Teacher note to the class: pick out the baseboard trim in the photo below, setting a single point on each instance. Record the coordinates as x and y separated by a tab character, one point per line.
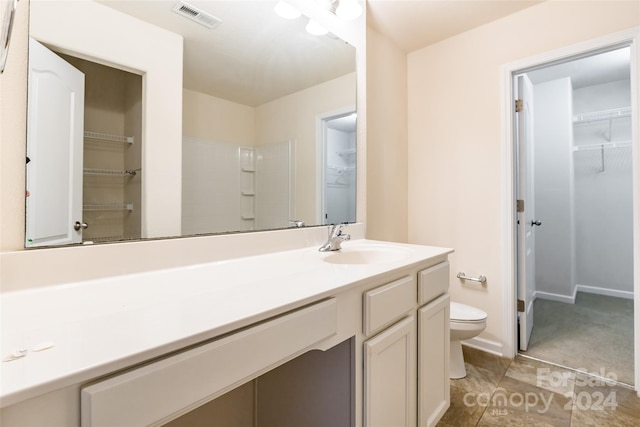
556	297
485	345
604	291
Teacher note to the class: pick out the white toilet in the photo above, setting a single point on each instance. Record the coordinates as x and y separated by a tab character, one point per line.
465	322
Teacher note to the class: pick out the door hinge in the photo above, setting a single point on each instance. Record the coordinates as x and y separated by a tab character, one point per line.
519	105
520	205
520	306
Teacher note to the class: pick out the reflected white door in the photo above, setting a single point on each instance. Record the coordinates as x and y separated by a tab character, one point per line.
54	149
526	224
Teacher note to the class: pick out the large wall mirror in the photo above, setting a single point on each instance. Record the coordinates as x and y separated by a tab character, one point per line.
264	121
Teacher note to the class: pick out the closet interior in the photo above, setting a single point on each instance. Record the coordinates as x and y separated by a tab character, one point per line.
112	172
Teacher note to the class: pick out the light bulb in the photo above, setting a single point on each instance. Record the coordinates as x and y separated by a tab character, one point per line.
316	29
286	11
348	10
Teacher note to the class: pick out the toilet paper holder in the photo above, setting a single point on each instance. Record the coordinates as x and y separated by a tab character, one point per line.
479	279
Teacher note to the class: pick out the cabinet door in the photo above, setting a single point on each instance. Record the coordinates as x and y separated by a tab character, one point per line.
433	361
390	376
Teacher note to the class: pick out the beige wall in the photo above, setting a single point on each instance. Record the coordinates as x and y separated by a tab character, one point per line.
293	118
13	122
214	119
455	152
386	139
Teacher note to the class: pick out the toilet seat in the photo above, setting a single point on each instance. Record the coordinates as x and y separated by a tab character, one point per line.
461	313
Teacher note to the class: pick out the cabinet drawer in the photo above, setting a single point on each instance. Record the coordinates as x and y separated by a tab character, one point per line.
433	282
153	394
388	303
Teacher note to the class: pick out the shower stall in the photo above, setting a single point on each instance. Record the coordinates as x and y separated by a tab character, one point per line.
230	187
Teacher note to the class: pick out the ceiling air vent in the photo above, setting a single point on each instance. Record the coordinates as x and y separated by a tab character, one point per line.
196	15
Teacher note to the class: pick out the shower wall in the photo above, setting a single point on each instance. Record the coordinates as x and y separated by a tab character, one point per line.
583	190
274	185
211	187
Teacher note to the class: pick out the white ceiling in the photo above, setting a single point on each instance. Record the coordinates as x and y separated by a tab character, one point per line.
253	56
592	70
344	124
414	24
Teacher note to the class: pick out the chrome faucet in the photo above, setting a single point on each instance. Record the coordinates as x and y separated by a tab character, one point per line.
335	239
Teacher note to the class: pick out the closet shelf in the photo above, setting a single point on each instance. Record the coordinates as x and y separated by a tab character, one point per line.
341	168
110	172
604	115
347	153
108	137
109	207
603	146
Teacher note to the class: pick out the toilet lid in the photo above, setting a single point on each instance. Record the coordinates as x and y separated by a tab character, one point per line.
462	312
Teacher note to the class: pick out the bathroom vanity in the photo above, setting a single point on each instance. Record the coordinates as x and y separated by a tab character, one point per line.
358	337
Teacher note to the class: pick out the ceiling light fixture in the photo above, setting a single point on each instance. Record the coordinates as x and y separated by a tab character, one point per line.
316	29
286	10
348	10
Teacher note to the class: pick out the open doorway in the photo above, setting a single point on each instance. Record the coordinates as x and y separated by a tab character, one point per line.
337	168
574	181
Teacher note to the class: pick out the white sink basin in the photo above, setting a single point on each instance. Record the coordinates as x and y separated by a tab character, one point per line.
377	254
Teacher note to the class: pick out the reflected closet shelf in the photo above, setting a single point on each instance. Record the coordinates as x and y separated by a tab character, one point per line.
106	137
109	207
109	172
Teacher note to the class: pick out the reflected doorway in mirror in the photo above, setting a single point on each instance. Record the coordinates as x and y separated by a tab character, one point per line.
337	166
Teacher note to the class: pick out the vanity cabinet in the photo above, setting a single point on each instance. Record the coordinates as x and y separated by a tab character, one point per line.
433	361
406	358
390	356
390	376
182	382
363	348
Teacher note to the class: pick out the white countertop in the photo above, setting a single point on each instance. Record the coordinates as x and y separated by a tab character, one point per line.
101	326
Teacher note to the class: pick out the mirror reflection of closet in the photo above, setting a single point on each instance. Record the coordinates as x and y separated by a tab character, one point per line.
112	175
340	167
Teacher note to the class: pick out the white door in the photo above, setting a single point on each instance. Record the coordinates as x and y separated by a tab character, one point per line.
526	219
390	376
433	361
54	149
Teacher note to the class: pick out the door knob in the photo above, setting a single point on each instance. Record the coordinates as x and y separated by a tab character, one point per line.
80	225
535	223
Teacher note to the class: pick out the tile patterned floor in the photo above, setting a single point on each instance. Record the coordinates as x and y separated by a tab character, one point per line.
526	392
